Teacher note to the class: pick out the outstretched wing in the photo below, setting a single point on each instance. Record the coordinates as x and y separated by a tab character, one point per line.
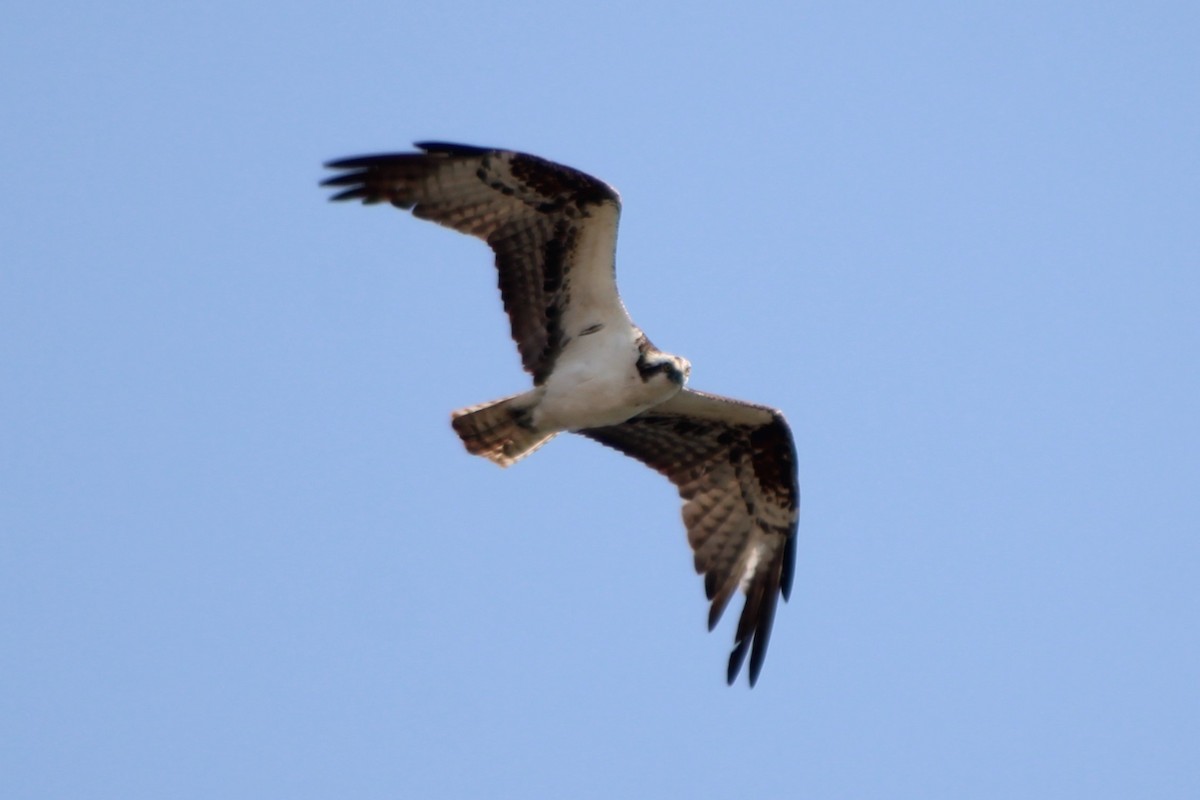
735	467
553	230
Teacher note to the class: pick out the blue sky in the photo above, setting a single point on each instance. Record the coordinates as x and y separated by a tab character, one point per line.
244	556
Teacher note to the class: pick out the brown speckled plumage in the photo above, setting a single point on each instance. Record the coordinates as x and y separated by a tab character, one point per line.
733	463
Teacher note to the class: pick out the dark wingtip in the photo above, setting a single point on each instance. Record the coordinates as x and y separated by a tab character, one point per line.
759	652
735	662
355	162
345	178
789	567
354	177
719	603
358	177
350	194
452	149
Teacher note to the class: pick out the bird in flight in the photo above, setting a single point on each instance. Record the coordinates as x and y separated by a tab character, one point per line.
553	230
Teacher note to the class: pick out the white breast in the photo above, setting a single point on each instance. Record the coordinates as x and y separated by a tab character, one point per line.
595	382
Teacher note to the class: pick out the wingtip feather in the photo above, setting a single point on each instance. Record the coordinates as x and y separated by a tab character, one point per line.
735	662
789	567
452	148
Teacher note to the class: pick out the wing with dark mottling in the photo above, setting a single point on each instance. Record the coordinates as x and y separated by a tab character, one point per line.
548	224
735	467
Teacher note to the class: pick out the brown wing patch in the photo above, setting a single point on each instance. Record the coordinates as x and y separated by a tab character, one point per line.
529	211
740	504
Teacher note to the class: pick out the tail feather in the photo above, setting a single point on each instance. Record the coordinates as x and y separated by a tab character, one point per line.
499	430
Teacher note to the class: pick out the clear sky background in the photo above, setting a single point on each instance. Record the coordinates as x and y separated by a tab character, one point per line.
243	554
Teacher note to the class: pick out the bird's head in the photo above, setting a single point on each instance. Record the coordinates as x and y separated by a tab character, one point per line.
676	369
680	370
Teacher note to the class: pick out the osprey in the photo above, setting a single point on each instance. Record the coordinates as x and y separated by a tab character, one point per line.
554	233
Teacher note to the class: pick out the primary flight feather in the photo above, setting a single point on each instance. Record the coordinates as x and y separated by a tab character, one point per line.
553	230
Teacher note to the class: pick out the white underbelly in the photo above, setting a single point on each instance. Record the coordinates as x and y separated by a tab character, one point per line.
596	383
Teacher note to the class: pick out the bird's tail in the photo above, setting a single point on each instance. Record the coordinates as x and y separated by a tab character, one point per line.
500	430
